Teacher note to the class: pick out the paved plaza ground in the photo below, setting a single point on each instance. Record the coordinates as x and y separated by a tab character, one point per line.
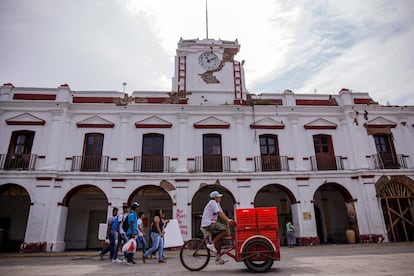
351	259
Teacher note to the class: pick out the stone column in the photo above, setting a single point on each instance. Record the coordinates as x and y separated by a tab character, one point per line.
123	141
65	149
57	228
402	146
241	156
55	138
353	121
182	142
293	118
303	214
346	135
182	210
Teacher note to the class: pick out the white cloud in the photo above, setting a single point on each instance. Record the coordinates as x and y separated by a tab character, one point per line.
297	45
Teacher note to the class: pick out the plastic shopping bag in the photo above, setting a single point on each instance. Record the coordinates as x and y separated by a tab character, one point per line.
130	246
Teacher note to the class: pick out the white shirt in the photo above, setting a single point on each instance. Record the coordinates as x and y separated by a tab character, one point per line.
139	231
120	222
210	213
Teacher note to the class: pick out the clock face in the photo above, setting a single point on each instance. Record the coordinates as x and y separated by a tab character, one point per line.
209	61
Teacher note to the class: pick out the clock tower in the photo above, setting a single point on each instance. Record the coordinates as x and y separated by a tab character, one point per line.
206	72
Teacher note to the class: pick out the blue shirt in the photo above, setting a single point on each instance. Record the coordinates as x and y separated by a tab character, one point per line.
132	217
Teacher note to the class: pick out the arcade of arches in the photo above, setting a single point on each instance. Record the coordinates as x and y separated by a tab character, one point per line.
85	206
88	207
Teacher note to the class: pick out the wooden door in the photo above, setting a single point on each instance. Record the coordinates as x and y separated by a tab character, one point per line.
212	157
386	152
324	152
152	153
269	153
92	152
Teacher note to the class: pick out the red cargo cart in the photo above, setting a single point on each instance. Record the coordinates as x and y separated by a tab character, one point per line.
254	241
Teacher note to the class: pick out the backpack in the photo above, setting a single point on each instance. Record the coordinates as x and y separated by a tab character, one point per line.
115	224
125	224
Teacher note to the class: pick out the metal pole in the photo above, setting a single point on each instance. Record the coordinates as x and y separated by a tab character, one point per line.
206	21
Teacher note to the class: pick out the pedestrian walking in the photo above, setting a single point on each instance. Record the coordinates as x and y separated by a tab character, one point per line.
112	234
141	234
157	234
132	231
290	229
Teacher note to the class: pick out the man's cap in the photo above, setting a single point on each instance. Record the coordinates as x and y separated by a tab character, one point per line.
215	194
134	205
125	206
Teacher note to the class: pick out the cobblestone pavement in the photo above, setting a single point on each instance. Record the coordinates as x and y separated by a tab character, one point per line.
356	259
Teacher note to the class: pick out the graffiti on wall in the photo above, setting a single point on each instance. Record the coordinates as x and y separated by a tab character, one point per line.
180	215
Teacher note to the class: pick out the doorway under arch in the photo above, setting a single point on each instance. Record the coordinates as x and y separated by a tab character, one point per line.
334	213
14	212
200	200
396	195
276	195
87	208
151	198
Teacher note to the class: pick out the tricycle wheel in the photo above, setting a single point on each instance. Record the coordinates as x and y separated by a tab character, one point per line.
258	255
194	254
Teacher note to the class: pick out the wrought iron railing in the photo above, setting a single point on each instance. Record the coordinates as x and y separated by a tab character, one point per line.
270	163
212	164
18	161
90	163
323	163
151	164
381	161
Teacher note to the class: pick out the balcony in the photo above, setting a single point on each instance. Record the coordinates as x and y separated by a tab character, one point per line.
212	164
381	161
151	164
90	163
18	161
270	163
325	163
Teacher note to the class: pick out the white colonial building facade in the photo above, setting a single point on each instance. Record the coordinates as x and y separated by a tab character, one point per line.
328	162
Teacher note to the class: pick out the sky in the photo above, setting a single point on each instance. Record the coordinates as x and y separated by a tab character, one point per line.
314	46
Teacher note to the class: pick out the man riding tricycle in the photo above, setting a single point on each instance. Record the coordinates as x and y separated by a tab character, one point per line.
254	240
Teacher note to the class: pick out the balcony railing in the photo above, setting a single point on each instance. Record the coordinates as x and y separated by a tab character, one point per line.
18	161
323	163
381	161
212	164
270	163
90	163
151	164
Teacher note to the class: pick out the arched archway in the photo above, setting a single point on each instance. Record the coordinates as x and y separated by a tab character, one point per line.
14	212
151	198
201	198
276	195
87	206
334	213
396	195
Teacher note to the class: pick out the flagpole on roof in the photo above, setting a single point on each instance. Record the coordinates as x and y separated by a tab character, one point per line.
206	21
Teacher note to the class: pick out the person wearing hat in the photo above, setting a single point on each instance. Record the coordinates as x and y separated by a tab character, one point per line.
212	211
132	232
